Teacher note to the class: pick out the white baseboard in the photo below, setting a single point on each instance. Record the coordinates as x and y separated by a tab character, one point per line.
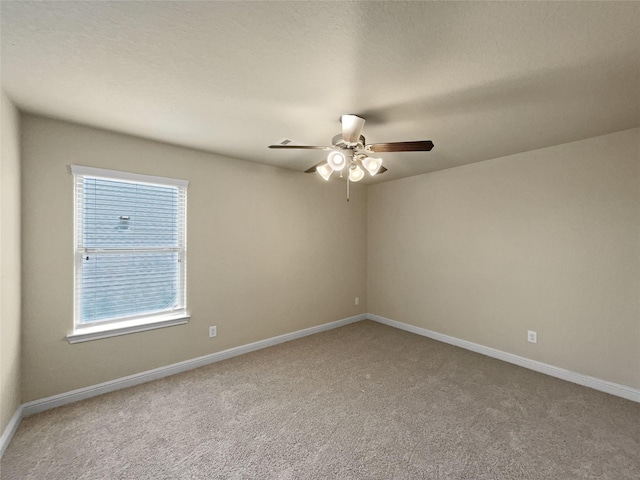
157	373
43	404
10	429
143	377
616	389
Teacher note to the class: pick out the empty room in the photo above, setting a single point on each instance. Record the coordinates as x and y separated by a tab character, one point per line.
318	240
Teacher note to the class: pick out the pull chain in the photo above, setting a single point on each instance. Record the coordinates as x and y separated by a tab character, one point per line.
347	189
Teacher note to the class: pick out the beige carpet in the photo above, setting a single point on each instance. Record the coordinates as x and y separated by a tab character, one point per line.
365	401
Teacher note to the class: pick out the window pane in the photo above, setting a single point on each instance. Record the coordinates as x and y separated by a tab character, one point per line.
124	285
120	214
130	246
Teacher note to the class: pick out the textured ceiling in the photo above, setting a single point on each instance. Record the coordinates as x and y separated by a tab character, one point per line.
482	80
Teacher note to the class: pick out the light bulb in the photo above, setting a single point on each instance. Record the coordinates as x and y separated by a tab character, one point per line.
325	171
372	164
336	160
356	174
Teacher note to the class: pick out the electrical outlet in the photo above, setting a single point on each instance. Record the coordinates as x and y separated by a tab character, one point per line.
213	331
357	300
532	336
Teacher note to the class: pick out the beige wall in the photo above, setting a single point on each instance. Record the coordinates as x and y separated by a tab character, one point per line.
547	240
9	262
270	251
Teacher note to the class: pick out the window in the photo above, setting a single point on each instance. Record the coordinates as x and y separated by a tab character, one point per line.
130	253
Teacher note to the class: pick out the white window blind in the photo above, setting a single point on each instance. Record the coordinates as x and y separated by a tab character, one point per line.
130	246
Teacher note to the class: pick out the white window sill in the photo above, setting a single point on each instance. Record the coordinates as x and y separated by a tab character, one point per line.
97	332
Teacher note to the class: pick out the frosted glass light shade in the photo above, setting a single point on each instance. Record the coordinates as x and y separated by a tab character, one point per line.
356	174
325	171
336	160
372	164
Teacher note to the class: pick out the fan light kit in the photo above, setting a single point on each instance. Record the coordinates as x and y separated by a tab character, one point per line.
350	151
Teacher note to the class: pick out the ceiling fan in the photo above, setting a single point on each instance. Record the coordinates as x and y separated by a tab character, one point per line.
350	151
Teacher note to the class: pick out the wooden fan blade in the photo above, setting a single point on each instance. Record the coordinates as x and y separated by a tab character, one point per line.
307	147
313	169
419	146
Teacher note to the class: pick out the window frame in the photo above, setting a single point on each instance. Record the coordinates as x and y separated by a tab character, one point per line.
83	332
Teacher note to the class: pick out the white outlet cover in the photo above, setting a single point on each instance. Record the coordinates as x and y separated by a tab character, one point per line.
532	336
213	331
